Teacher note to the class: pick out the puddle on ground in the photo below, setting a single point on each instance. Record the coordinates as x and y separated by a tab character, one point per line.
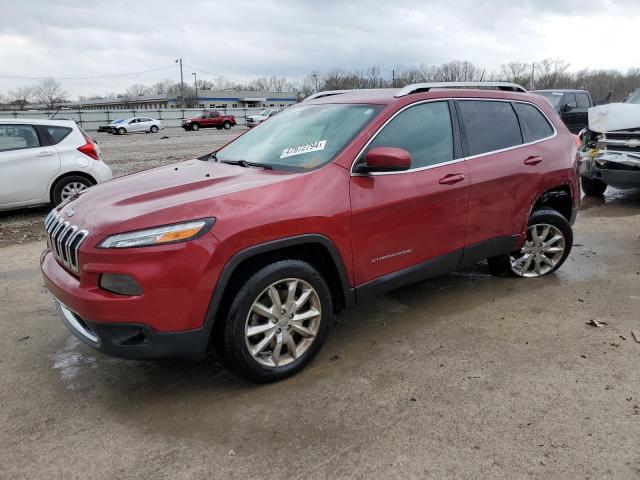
69	361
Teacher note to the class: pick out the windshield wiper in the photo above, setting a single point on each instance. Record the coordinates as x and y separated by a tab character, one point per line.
244	163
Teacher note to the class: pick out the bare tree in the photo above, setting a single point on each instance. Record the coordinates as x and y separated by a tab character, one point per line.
516	72
138	90
268	84
551	73
457	71
165	86
20	97
49	92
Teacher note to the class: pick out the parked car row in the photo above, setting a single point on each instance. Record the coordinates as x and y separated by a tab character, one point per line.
132	125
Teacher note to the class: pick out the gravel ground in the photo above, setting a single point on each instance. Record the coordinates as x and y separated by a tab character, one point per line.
464	376
124	154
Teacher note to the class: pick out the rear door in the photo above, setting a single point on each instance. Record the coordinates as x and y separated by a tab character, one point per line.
504	170
215	119
27	164
403	220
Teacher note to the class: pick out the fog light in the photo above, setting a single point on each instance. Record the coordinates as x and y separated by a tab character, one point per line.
120	284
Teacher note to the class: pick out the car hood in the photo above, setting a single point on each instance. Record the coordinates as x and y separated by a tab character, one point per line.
164	195
614	116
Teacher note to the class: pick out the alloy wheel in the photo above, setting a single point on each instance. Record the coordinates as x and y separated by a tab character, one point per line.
283	322
541	253
70	189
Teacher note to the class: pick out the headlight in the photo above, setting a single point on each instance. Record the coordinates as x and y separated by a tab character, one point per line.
179	232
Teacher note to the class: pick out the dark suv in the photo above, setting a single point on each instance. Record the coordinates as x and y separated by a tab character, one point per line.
571	105
255	247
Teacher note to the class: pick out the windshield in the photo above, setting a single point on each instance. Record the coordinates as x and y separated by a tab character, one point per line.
264	113
120	120
635	97
302	137
553	97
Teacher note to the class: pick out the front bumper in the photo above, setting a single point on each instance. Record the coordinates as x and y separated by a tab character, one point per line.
134	341
611	169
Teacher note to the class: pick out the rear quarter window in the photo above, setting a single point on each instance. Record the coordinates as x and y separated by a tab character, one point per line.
533	123
58	134
489	125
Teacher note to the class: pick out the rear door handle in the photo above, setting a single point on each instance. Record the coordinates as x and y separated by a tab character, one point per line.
46	154
451	179
534	160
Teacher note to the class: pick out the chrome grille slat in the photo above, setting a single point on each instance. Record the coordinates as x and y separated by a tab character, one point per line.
64	239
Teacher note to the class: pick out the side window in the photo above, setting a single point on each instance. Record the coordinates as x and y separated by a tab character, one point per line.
18	137
570	99
215	114
489	125
533	123
583	100
423	130
58	134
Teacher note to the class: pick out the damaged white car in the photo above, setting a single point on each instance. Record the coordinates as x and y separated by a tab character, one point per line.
610	148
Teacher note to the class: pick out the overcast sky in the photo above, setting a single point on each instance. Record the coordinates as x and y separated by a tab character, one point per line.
244	39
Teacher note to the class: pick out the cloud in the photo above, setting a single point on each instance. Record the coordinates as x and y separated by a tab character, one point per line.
246	39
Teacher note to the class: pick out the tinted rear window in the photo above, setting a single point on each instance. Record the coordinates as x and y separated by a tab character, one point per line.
533	123
489	125
58	134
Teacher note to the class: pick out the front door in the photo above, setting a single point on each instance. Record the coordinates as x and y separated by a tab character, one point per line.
411	224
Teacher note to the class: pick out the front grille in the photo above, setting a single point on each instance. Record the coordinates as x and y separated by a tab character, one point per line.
64	239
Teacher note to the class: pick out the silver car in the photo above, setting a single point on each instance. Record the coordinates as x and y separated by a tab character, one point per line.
137	125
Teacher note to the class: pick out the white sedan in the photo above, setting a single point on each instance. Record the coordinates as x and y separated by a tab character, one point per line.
46	161
137	125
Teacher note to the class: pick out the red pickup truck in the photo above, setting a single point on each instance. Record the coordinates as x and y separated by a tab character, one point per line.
209	118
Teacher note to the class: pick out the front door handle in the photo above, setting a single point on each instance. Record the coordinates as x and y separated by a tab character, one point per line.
533	160
451	179
46	154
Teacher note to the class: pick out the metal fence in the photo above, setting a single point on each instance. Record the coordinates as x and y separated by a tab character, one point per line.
91	119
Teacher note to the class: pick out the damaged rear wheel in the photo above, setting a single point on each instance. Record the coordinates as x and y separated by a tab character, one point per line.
547	246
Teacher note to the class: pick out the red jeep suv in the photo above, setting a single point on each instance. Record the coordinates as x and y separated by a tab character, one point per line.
253	248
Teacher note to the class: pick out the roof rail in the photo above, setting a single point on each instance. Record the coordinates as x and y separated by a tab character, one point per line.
425	87
326	93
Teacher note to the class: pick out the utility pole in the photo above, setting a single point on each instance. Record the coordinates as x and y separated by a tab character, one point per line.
533	72
195	81
181	80
393	77
315	75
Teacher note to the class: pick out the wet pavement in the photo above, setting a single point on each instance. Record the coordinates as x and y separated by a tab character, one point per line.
462	376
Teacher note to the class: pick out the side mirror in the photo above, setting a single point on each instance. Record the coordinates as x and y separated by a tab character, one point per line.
385	159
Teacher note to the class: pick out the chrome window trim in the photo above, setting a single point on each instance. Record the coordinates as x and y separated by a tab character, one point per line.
457	160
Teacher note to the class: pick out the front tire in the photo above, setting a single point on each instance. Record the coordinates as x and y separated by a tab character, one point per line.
122	131
67	187
592	187
277	321
195	127
547	246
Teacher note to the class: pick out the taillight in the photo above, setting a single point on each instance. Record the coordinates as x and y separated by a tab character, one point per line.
578	140
89	149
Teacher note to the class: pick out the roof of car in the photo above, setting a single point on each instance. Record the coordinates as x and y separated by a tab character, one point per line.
38	121
387	96
563	90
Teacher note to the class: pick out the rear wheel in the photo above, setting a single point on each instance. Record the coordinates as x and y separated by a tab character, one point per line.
153	129
195	127
67	187
226	125
277	321
592	187
547	246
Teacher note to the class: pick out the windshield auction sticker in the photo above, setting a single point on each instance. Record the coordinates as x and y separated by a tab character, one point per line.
300	149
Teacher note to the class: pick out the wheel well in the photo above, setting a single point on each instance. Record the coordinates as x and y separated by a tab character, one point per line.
558	198
70	174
